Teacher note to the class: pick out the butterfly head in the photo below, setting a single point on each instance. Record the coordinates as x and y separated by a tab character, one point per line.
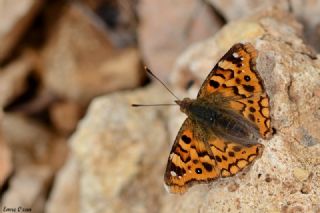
184	104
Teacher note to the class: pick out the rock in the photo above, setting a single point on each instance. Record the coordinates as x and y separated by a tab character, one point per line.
15	17
32	143
5	161
65	116
121	152
83	60
13	79
119	16
291	75
300	174
233	9
305	11
190	21
28	189
64	196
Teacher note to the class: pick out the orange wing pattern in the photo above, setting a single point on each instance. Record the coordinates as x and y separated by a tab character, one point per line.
236	82
191	161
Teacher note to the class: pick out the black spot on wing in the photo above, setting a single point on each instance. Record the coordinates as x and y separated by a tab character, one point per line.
207	166
186	139
248	88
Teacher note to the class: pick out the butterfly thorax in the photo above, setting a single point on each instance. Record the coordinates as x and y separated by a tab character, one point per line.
224	123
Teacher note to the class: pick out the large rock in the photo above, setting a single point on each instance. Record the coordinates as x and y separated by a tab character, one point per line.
306	11
182	22
286	178
15	17
83	59
122	151
5	161
65	194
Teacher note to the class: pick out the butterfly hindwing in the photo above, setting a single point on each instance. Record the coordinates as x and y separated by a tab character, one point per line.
231	158
190	160
236	80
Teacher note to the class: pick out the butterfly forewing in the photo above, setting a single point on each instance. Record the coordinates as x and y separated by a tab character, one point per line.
236	80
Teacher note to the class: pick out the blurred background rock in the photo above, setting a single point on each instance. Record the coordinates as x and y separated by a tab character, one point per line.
57	57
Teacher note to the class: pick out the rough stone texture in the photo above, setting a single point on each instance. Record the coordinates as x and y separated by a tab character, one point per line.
82	60
65	116
5	161
306	11
65	194
13	79
161	42
32	143
287	176
15	17
122	151
28	189
235	9
122	154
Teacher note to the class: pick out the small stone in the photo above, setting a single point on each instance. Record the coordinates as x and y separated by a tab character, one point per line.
300	174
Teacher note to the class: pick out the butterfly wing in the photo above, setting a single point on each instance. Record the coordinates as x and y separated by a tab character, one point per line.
231	157
189	161
235	80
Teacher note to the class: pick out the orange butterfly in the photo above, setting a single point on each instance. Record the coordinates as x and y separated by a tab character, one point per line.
220	136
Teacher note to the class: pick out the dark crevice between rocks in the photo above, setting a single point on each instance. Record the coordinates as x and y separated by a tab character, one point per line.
121	21
4	188
24	102
217	13
49	189
32	82
36	34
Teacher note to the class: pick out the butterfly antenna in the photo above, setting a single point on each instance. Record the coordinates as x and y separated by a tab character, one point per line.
153	75
143	105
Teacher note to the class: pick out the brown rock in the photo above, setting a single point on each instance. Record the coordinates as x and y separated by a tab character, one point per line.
32	143
235	9
65	193
5	161
163	39
305	11
82	59
28	189
65	116
122	153
15	17
13	79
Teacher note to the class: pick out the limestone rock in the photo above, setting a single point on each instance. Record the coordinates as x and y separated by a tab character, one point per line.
65	194
65	116
28	189
13	79
5	161
291	74
162	42
15	17
122	152
307	11
83	60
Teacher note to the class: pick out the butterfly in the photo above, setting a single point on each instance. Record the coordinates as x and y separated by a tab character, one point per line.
219	138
